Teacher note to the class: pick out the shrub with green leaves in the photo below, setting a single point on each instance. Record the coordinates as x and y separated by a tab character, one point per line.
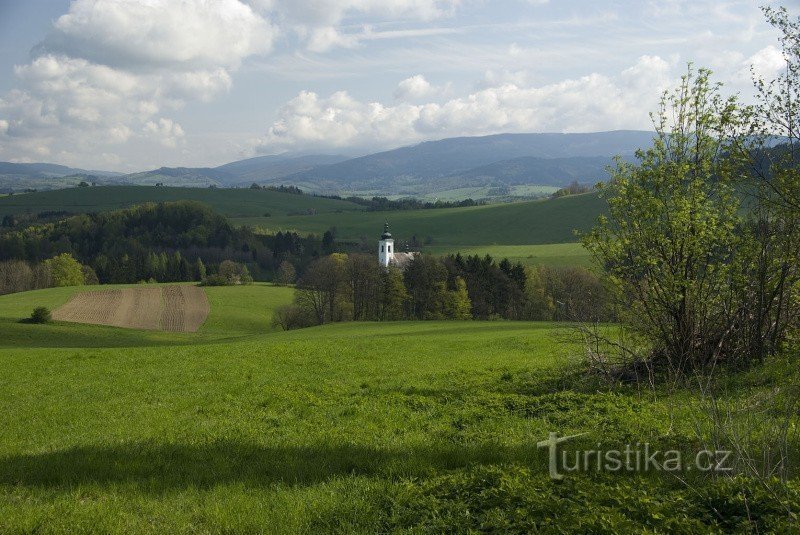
41	315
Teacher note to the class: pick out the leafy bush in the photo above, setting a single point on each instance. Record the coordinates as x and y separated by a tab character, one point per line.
215	280
65	270
230	274
41	315
292	316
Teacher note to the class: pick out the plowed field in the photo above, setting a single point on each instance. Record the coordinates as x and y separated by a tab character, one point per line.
169	308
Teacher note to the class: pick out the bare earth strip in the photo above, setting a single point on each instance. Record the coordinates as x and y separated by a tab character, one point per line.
196	308
169	308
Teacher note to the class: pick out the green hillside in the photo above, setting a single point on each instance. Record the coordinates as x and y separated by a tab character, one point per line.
231	202
531	232
522	223
359	427
550	254
236	311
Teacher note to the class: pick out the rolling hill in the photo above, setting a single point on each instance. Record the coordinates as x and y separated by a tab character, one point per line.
530	170
359	427
544	159
265	168
230	202
262	170
47	169
20	176
533	232
520	223
445	166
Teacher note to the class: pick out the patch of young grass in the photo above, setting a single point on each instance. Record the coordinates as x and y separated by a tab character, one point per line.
236	311
520	223
352	427
230	202
552	254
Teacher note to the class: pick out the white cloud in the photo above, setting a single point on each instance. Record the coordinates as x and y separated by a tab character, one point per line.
317	22
110	68
327	37
166	131
493	78
417	88
187	34
767	62
590	103
330	12
110	71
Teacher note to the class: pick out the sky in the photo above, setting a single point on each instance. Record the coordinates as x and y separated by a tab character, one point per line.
128	85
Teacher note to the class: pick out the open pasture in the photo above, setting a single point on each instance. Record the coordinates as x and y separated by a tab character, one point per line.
230	202
418	427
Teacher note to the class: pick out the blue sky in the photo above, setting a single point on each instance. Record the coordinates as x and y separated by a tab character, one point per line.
130	85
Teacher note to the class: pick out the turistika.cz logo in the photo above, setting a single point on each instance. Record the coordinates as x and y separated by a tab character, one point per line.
632	458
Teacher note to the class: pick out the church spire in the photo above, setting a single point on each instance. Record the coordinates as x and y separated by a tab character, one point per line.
385	247
386	234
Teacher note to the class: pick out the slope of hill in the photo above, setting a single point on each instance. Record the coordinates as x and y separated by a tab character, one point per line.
535	171
446	165
424	166
230	202
20	176
520	223
346	428
47	169
185	177
539	222
265	168
523	231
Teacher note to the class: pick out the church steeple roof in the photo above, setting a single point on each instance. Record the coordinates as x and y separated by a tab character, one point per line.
386	234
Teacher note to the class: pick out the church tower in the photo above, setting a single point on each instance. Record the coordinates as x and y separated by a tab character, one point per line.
385	247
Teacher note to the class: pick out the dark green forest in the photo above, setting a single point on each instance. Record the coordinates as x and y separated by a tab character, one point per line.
165	242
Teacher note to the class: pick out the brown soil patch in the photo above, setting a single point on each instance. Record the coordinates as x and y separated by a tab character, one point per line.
185	308
168	308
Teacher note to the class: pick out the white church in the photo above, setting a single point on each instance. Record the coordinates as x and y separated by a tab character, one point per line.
387	255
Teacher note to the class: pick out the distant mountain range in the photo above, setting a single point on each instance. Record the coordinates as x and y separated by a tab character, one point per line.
431	167
21	176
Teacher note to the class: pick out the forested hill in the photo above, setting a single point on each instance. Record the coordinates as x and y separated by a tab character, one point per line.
165	242
554	159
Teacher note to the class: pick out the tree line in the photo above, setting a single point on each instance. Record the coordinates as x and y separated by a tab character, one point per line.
61	270
164	242
354	287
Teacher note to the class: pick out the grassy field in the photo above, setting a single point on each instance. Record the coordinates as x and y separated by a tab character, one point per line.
521	223
554	254
235	312
532	232
376	427
483	192
231	202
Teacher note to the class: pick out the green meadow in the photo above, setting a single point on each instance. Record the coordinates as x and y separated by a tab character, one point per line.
552	254
412	427
230	202
521	223
484	192
531	232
